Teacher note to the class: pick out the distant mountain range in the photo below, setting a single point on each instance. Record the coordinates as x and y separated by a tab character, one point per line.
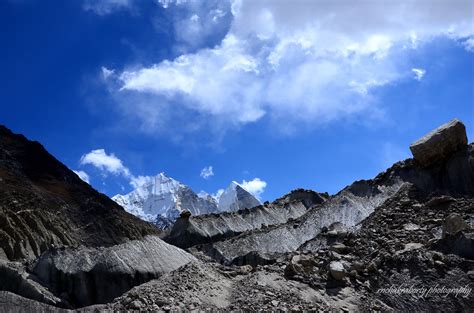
161	200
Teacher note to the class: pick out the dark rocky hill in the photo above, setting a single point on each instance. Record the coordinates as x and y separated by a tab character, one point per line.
43	204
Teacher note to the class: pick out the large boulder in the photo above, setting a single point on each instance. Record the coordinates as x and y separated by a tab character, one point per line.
439	143
453	224
337	270
86	276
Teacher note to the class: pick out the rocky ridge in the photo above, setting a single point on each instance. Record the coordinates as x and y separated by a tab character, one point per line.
192	230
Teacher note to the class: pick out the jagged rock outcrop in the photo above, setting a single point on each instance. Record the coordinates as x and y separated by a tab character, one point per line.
85	276
439	143
189	231
454	176
43	204
349	207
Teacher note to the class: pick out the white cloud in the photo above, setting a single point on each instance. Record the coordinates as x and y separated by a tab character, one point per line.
469	44
207	172
105	162
419	73
296	63
195	22
104	7
109	163
137	181
106	73
82	175
255	186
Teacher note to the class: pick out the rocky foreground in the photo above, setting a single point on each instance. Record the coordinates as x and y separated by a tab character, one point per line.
403	241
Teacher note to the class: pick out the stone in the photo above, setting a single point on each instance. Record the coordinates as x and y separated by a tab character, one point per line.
339	248
185	214
136	305
453	224
409	247
299	264
337	270
439	143
411	226
372	268
470	274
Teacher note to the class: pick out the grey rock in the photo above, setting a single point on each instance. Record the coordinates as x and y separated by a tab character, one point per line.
339	248
13	303
411	226
453	224
15	278
439	143
337	270
189	231
89	276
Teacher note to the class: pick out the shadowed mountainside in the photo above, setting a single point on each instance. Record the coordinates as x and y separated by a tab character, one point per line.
44	204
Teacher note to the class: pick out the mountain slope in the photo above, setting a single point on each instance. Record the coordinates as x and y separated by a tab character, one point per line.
44	204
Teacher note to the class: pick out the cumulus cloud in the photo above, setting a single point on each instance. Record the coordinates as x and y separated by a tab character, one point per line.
207	172
138	181
419	73
195	22
469	44
108	163
255	186
104	7
293	62
82	175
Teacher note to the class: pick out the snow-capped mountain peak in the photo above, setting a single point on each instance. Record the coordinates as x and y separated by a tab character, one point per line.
235	198
160	199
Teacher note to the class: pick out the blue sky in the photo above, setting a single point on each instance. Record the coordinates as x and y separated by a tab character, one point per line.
276	95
